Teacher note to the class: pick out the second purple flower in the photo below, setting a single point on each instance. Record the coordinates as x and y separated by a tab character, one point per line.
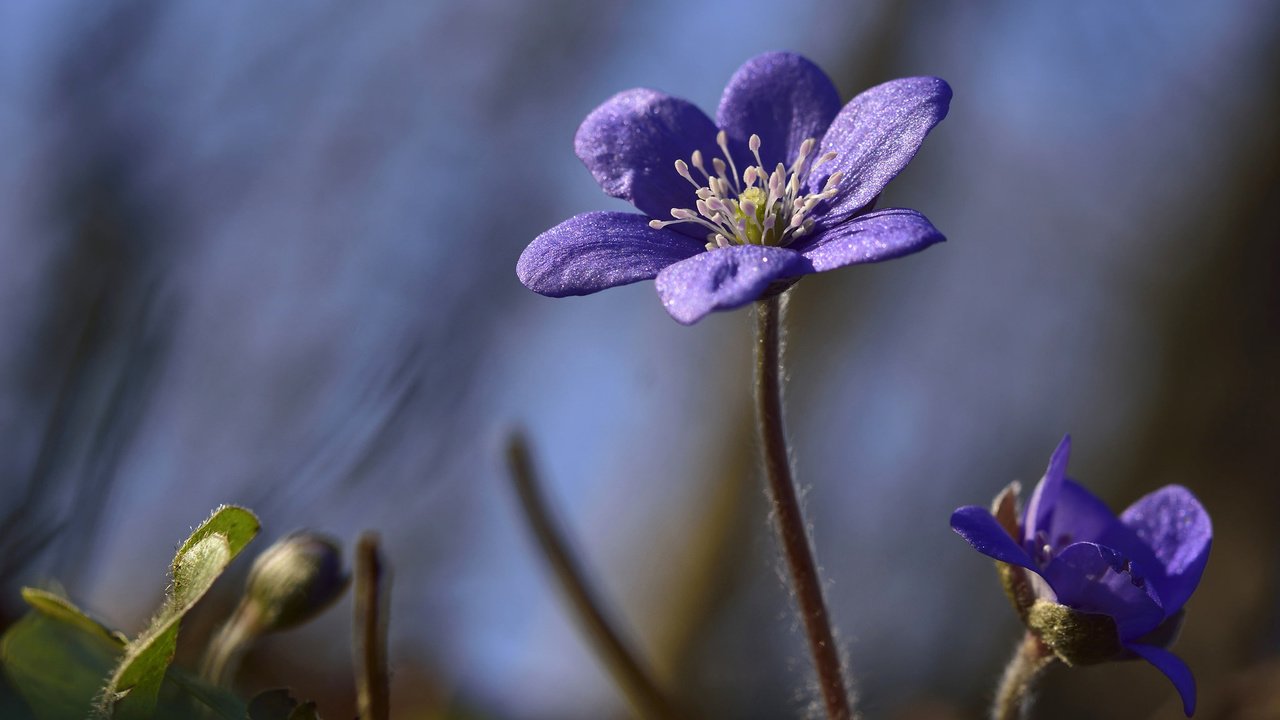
1093	586
781	185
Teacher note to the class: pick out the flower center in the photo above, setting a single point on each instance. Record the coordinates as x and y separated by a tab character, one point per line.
1043	549
761	207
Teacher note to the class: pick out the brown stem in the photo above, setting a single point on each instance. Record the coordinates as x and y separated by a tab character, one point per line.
788	514
640	689
372	685
1013	698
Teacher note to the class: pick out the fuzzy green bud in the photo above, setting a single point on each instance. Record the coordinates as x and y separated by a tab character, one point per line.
1076	637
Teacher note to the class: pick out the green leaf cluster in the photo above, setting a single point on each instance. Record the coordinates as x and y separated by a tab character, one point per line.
67	665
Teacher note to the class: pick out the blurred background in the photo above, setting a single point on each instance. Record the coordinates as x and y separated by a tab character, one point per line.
264	254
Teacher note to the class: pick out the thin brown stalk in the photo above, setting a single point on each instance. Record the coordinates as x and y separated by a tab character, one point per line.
788	515
643	693
373	699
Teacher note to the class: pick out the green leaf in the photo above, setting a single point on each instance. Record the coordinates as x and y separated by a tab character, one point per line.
53	605
236	524
135	685
57	664
221	701
57	659
279	704
195	569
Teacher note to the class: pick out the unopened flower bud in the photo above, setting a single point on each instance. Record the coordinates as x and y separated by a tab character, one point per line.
294	580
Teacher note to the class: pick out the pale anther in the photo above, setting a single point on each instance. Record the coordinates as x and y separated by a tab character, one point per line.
758	207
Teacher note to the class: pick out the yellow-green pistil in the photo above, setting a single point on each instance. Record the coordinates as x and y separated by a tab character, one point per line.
763	208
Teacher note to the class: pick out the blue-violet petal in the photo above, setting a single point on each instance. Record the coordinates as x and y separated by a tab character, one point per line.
980	529
782	97
1174	668
1173	523
631	142
597	250
1080	516
724	278
1045	496
875	136
1098	579
881	235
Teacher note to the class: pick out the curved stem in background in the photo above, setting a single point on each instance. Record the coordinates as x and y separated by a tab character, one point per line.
639	687
225	650
787	514
1013	698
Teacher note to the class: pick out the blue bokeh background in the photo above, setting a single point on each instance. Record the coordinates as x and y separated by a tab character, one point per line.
264	254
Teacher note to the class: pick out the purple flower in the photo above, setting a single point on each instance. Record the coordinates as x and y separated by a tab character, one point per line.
781	185
1117	585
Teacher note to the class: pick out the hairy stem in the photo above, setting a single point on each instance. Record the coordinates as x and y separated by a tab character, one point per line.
641	690
788	515
1013	697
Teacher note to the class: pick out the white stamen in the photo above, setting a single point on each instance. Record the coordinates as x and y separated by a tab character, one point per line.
828	157
697	162
758	207
722	139
806	147
754	144
682	168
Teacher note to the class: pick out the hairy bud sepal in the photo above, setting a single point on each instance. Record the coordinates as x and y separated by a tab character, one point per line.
1077	638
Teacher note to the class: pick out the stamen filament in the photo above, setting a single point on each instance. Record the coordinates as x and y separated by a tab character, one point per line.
722	139
757	207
